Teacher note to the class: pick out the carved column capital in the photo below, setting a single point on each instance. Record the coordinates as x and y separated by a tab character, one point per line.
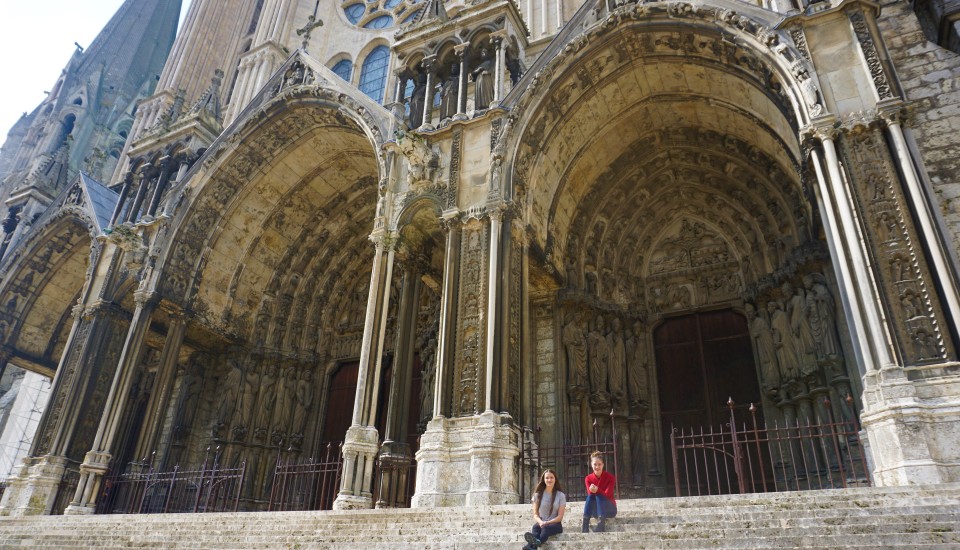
428	63
461	50
145	298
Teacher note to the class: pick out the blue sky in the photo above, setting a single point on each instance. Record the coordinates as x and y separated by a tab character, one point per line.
36	41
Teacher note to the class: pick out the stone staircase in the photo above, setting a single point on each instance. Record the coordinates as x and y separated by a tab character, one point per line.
900	517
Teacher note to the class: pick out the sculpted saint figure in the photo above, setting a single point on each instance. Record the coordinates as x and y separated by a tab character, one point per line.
637	373
247	397
449	92
599	354
821	311
617	366
304	400
575	347
286	392
417	100
268	397
783	341
800	323
483	81
762	336
230	388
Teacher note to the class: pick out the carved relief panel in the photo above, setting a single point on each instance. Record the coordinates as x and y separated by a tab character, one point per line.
468	373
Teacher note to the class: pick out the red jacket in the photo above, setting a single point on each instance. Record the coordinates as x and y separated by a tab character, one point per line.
605	484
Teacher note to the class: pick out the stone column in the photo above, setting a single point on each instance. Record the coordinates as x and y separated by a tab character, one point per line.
124	191
144	175
447	330
395	454
877	335
166	165
462	51
96	463
163	387
915	195
496	219
428	63
361	442
500	45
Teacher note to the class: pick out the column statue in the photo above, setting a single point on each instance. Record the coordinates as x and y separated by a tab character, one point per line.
599	354
417	100
448	93
638	374
783	341
821	310
763	343
575	348
617	366
800	324
268	397
304	395
483	81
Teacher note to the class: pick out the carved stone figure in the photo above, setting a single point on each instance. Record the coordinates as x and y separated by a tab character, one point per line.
304	401
762	336
800	323
783	341
821	312
599	357
638	363
286	391
483	81
449	92
575	347
230	387
417	100
617	366
247	397
268	397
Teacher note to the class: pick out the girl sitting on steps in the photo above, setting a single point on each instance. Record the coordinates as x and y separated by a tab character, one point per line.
600	502
549	503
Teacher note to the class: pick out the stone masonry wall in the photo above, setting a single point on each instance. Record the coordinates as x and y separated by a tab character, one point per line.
931	79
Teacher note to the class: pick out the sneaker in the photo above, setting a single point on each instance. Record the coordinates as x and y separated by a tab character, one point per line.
531	539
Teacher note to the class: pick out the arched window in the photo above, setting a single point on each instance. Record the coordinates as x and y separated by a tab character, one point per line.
344	69
373	76
354	12
381	22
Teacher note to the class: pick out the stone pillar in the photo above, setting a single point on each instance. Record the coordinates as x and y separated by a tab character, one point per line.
361	442
428	63
462	51
144	175
493	286
395	454
96	463
447	330
163	387
124	191
500	45
876	333
166	165
916	197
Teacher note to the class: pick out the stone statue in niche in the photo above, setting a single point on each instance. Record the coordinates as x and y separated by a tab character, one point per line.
268	397
617	365
638	373
762	336
251	382
575	348
417	100
449	92
783	341
304	401
599	353
821	311
286	394
800	323
483	81
230	388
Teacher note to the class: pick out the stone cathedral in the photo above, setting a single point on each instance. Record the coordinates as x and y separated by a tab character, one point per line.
436	233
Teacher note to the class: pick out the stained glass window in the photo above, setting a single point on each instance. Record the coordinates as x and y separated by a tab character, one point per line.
344	69
373	75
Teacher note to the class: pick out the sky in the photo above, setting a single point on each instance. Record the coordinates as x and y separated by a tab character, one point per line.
36	41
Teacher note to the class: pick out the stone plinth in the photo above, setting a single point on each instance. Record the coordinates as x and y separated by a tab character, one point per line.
33	489
468	461
359	454
913	423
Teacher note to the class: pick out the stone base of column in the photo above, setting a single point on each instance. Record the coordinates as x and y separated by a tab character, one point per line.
912	420
396	462
32	491
468	461
359	454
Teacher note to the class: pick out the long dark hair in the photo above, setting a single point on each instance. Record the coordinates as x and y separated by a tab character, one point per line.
542	488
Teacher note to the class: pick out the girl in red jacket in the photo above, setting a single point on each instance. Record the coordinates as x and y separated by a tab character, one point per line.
600	502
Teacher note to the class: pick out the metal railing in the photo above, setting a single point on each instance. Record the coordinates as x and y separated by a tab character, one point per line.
570	460
307	484
798	455
144	490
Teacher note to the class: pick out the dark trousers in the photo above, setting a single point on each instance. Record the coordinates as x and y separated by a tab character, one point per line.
599	506
543	533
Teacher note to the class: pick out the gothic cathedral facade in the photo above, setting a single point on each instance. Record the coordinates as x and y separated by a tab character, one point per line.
436	234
